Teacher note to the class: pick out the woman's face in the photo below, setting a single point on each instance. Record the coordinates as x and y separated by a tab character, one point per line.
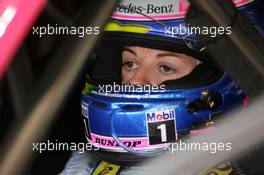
145	66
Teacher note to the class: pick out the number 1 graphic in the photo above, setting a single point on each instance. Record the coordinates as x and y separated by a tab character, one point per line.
162	128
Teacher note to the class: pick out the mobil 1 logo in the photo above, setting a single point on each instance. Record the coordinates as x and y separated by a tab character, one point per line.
161	126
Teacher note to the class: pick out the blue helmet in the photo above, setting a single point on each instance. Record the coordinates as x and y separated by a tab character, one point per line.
129	122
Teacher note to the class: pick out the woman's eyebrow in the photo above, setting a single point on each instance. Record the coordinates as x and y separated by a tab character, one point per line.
129	50
160	55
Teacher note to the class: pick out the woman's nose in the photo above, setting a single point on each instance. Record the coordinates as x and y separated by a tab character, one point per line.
141	77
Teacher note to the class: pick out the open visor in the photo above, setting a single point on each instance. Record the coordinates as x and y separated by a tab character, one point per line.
107	64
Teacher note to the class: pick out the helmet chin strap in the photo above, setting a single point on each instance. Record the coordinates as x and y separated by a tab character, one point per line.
150	153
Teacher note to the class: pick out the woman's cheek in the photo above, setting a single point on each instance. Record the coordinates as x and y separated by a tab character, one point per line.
161	77
126	75
172	76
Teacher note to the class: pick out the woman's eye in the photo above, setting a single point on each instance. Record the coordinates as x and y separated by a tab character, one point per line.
130	65
166	69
